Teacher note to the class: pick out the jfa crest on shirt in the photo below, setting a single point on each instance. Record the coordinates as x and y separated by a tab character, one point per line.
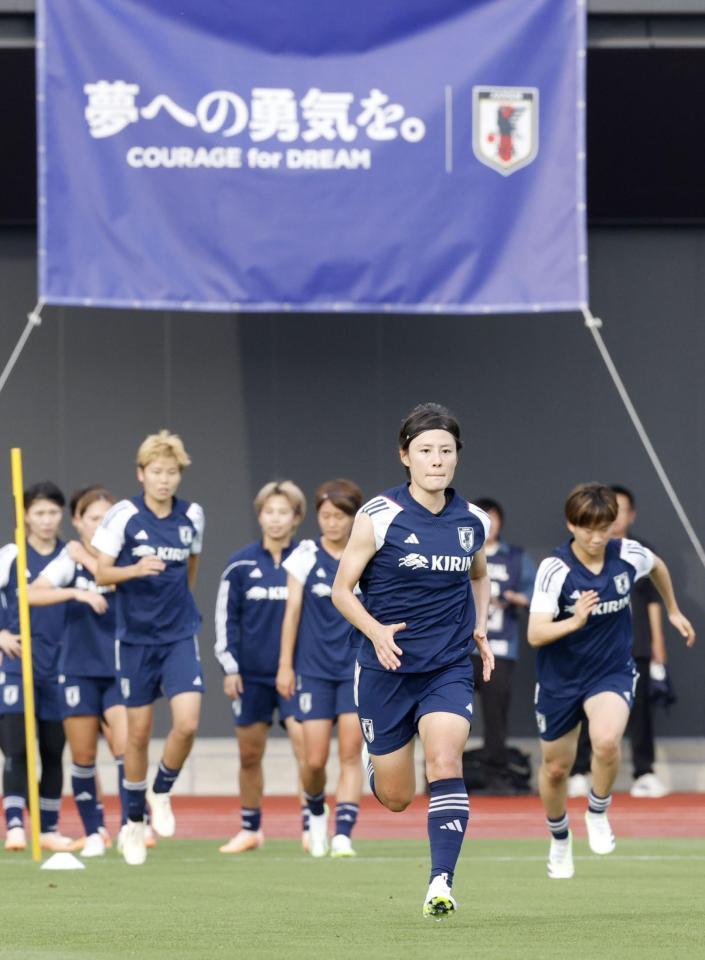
420	576
604	644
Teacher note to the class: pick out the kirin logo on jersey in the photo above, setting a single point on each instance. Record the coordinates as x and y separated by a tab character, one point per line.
256	593
414	560
368	729
621	582
466	535
144	550
186	535
505	127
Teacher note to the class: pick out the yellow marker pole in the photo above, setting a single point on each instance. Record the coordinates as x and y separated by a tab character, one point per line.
26	638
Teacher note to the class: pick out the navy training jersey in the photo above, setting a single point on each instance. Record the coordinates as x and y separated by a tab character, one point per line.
160	609
249	613
604	645
322	647
420	576
46	623
88	639
509	568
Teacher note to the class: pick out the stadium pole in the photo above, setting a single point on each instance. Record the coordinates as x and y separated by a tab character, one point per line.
26	639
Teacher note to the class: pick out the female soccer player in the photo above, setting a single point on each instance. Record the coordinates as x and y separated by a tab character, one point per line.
44	504
149	547
417	551
248	622
90	689
317	663
581	623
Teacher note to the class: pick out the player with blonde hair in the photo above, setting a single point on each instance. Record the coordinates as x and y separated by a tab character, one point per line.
149	548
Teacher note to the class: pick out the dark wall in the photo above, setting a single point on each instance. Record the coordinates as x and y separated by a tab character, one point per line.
315	397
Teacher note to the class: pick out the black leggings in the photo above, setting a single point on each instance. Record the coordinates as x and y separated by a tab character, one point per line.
51	748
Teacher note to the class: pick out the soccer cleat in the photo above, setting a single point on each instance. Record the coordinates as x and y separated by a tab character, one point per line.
16	839
341	846
318	834
305	840
578	785
107	839
162	818
133	846
439	904
56	843
560	858
150	841
599	831
94	846
649	786
243	841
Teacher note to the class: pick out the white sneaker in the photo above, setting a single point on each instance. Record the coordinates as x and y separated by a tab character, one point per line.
649	785
94	846
578	785
341	846
133	849
318	835
600	836
163	820
16	839
560	858
439	904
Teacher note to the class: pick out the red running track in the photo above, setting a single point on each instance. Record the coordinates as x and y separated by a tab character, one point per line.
678	815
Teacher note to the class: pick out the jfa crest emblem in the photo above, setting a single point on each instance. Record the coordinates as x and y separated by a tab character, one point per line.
125	687
10	695
305	702
466	535
621	582
505	127
186	535
368	730
73	696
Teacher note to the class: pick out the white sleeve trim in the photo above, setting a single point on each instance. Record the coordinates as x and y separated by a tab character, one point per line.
549	583
639	556
381	512
109	538
482	517
61	571
8	555
198	519
301	561
223	655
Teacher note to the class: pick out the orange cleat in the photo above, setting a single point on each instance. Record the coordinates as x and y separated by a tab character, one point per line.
243	841
16	839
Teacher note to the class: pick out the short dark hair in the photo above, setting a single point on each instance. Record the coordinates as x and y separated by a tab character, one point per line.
487	504
624	492
428	416
343	494
46	490
591	505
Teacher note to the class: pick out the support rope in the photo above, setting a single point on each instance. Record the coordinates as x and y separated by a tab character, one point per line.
34	319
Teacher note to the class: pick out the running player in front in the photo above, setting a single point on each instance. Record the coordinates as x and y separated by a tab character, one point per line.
149	548
580	622
418	553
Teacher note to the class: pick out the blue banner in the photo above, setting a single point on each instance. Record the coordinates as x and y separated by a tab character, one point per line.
270	155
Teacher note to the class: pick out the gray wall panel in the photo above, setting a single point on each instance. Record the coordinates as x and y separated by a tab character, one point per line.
315	397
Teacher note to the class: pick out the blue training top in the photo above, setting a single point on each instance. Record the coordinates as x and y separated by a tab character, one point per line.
159	609
322	648
419	575
88	639
249	613
604	645
46	623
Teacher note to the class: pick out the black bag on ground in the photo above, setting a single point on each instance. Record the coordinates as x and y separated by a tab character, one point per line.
482	777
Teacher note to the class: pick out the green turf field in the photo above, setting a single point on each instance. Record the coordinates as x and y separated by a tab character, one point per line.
645	901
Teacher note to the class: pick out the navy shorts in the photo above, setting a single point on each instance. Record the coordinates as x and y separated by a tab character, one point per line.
258	703
317	699
47	699
556	716
390	704
88	696
149	671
